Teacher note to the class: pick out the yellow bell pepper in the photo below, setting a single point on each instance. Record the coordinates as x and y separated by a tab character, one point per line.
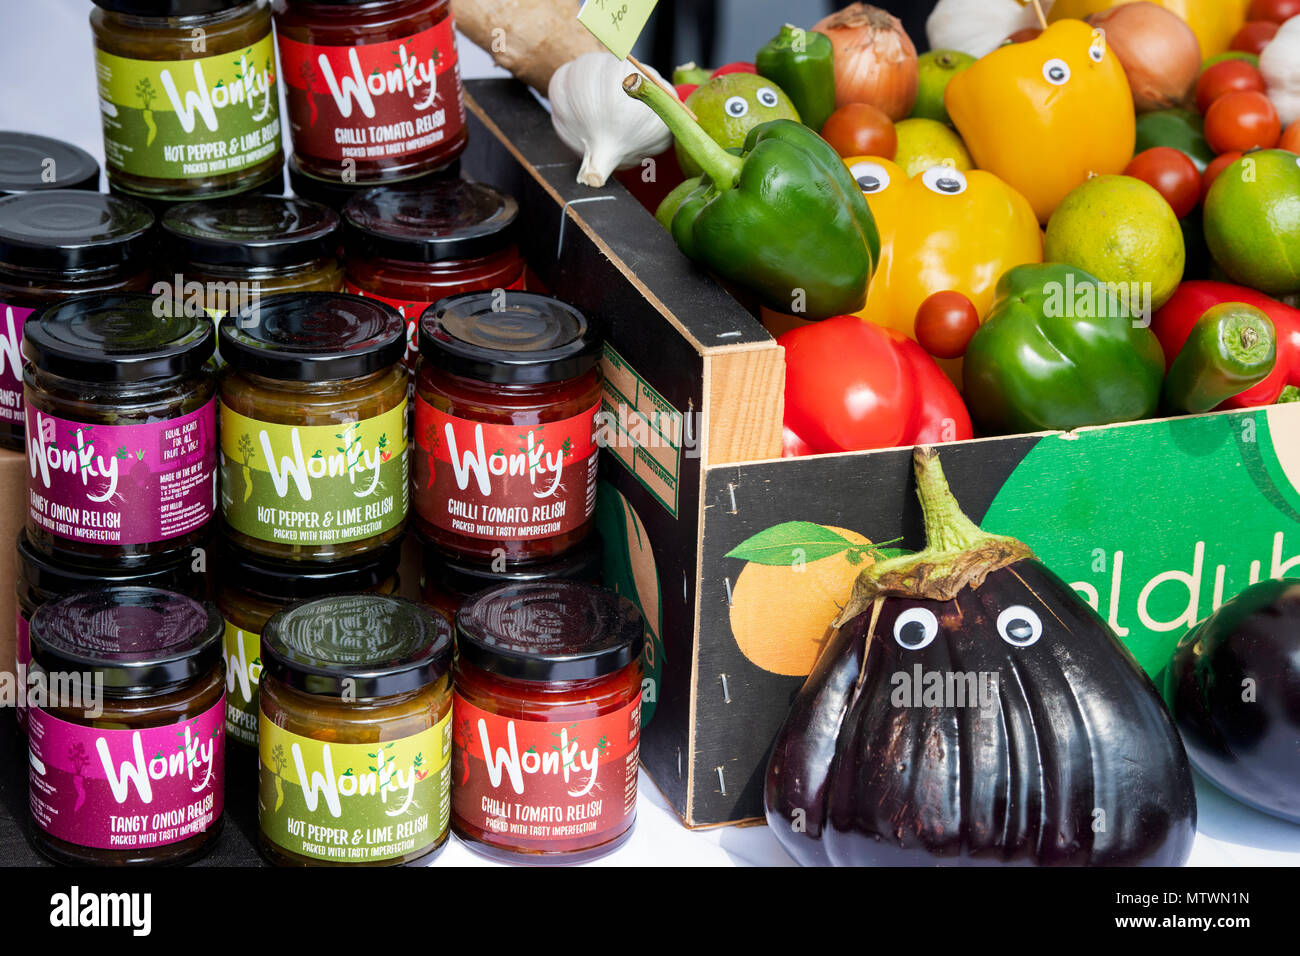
943	229
1045	114
1213	21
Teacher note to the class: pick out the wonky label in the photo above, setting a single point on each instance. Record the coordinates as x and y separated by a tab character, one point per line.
122	484
190	119
126	789
504	482
243	653
355	803
11	363
314	484
533	781
374	101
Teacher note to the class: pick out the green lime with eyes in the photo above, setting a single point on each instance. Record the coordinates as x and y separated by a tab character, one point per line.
729	106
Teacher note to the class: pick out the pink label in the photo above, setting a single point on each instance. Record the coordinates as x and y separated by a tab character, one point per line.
23	657
11	363
122	484
126	789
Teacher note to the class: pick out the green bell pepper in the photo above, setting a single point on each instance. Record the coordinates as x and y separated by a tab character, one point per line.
1180	129
802	63
1059	350
1231	348
785	219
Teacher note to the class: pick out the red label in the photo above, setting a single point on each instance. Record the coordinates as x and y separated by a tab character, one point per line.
373	101
504	482
535	782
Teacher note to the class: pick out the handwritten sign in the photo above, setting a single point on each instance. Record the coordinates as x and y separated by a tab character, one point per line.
616	23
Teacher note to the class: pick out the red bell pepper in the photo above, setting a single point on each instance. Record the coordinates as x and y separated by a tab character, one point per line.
851	385
1173	323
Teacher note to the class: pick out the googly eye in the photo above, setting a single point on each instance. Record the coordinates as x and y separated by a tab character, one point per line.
1019	626
1056	72
736	106
872	177
766	96
1097	51
944	180
915	628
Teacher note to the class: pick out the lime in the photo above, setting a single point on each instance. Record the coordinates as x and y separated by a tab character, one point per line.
1252	221
1122	231
923	143
934	70
729	106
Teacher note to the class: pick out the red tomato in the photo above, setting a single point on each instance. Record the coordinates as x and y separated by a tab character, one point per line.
860	129
1278	11
946	321
737	67
1226	77
1212	171
1171	173
1241	121
1254	36
1024	35
1291	138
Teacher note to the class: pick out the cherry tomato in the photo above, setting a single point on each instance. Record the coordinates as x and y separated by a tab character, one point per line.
1278	11
1241	121
860	129
1291	138
1024	35
1218	165
1226	77
945	323
1171	173
1254	36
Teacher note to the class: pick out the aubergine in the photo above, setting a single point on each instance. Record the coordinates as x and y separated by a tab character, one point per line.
972	709
1233	686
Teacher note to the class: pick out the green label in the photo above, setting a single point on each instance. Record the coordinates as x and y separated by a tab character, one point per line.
317	484
190	119
243	651
355	803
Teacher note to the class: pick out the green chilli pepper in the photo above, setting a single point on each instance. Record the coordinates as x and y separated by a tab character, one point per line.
1231	348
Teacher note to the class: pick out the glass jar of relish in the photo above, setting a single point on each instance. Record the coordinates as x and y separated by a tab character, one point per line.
355	734
188	97
373	87
507	393
314	427
413	247
137	775
33	163
548	687
121	428
56	244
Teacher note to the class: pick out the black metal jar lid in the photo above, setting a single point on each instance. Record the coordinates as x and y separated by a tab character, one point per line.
314	337
509	338
27	160
581	563
361	646
141	639
549	631
251	231
441	220
63	230
168	8
116	338
290	581
48	574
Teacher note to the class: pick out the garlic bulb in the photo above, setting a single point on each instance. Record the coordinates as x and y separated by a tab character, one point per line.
977	27
594	117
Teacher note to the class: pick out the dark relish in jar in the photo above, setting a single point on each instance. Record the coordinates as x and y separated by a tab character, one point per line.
314	427
53	245
32	163
251	588
547	687
373	88
354	740
507	393
133	772
121	428
414	247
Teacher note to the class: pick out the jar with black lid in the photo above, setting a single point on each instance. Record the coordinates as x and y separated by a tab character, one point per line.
55	244
336	195
314	427
121	428
188	96
30	162
354	741
132	772
508	389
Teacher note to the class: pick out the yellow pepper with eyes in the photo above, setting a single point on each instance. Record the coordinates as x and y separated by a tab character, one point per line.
1213	21
1046	114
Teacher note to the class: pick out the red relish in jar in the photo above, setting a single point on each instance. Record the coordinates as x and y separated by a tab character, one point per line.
507	393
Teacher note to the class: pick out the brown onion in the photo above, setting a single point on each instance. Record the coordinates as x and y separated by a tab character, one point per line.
875	61
1158	50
